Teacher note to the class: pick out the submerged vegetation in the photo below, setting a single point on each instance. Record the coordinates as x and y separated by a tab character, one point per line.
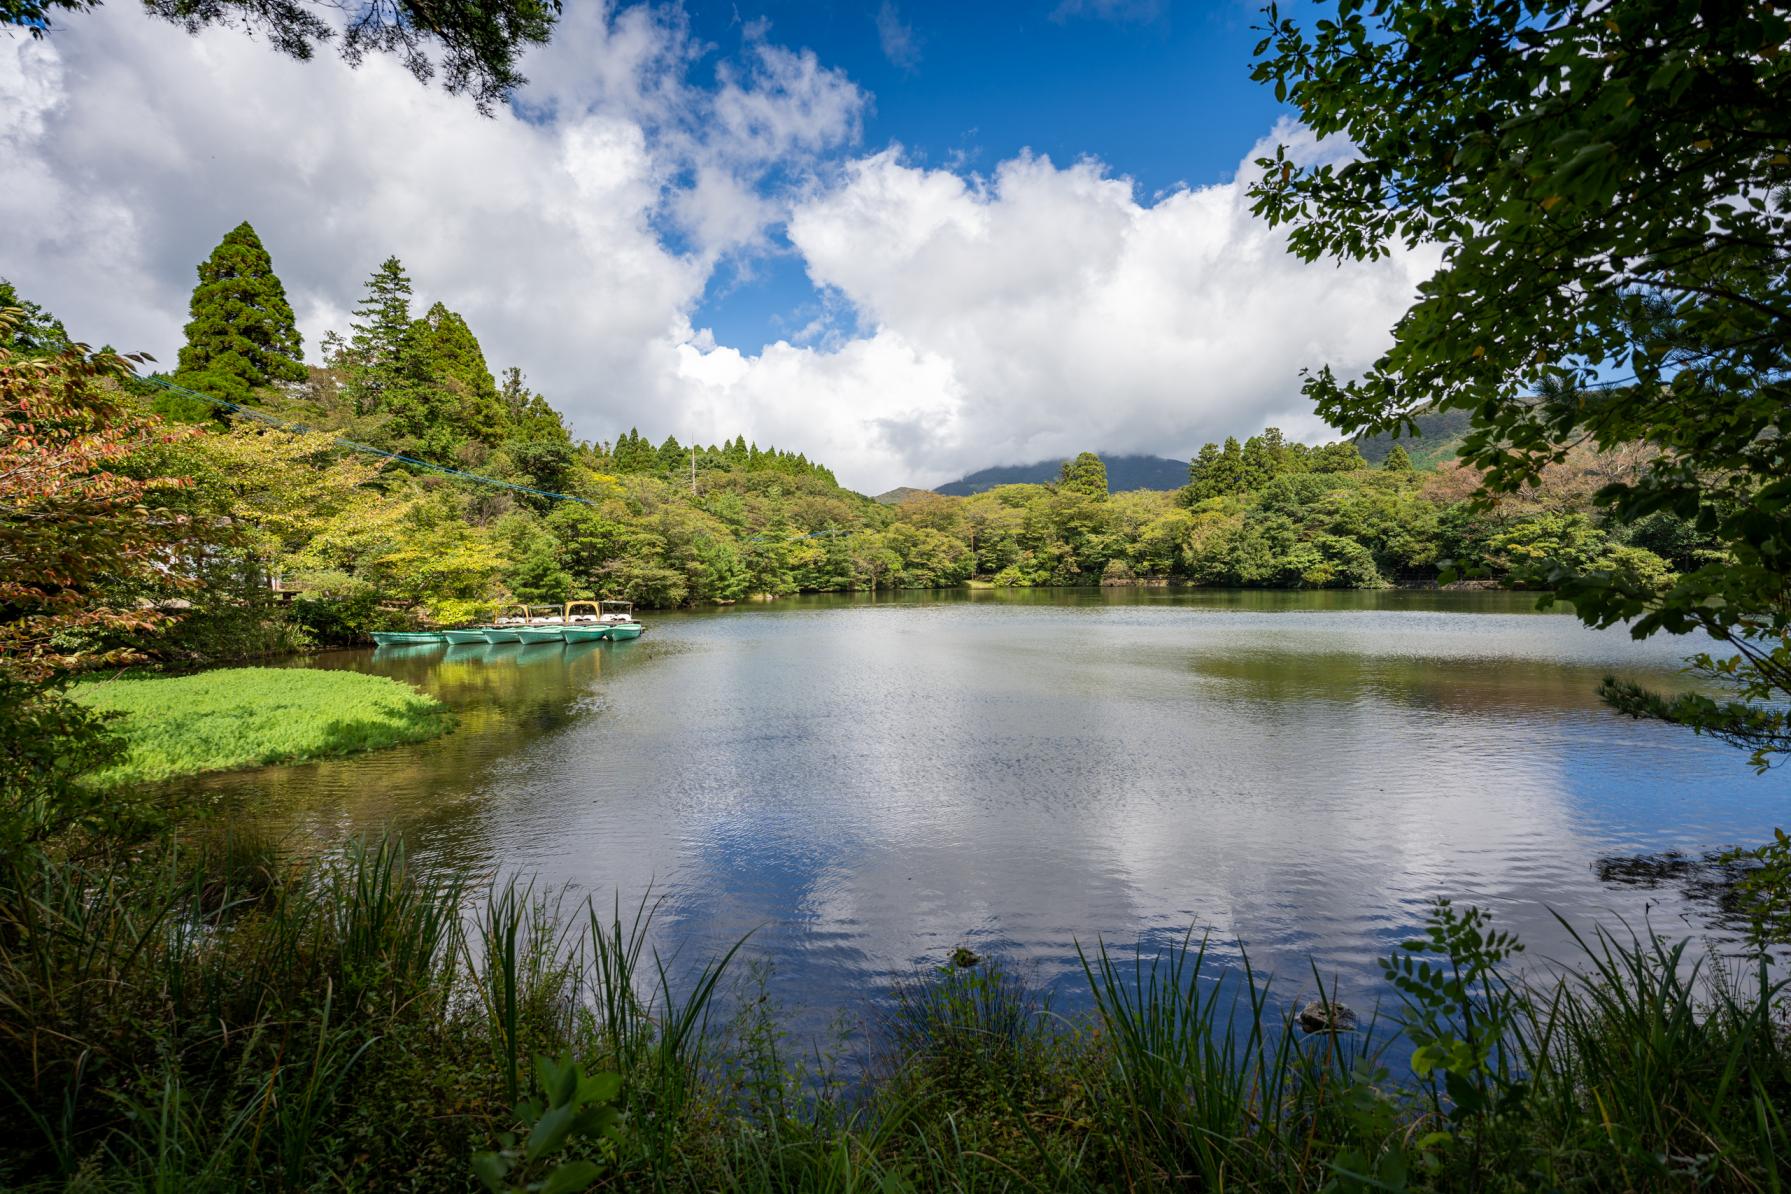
230	718
223	1017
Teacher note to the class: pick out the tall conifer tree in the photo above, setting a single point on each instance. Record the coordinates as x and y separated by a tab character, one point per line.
1226	475
242	336
1202	481
528	414
450	389
379	338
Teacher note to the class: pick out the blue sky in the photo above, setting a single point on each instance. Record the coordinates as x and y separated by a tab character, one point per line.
910	240
1159	92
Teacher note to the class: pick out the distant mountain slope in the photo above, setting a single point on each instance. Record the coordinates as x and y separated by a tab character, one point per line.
1439	435
900	494
1123	473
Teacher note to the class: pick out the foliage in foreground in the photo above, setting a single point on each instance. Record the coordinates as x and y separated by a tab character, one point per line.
1610	189
219	1017
476	47
232	718
80	540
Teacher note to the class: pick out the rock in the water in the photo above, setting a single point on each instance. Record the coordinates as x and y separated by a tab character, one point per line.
964	957
1320	1016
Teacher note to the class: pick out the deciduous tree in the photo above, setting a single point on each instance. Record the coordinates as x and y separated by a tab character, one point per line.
1608	187
74	529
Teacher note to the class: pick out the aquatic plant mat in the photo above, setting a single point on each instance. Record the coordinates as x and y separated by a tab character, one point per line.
233	718
215	1015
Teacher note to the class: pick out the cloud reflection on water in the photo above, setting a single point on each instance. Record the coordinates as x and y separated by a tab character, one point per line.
864	786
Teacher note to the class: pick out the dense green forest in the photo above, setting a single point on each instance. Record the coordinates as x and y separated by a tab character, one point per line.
358	541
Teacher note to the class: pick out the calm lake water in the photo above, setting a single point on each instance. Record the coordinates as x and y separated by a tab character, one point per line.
864	784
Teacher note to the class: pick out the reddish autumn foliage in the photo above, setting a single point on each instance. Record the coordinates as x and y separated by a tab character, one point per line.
72	528
78	535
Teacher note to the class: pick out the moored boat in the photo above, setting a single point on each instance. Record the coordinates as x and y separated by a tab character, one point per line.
576	622
618	616
406	638
503	627
544	625
582	622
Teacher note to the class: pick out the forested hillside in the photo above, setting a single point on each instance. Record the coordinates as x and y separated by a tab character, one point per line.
1439	435
1123	472
307	537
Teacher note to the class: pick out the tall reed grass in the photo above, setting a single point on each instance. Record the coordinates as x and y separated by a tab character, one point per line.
221	1017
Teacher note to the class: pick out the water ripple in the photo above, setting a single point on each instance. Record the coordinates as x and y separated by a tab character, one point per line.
863	787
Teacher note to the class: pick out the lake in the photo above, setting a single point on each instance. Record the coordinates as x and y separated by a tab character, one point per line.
863	784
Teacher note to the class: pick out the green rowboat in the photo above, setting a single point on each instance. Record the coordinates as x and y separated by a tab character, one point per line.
406	638
540	634
584	632
464	636
501	634
625	630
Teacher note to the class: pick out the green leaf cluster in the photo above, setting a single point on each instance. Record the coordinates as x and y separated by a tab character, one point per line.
576	1109
1610	192
475	48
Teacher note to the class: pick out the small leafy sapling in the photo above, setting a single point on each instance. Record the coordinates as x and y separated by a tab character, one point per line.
578	1108
1460	1011
1763	893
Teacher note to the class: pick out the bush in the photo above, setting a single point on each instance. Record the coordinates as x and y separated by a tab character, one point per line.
1118	572
1637	566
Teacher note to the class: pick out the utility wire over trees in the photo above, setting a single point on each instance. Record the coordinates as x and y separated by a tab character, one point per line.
1609	186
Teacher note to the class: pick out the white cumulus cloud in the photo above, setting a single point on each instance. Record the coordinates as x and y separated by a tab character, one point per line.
1034	312
1047	309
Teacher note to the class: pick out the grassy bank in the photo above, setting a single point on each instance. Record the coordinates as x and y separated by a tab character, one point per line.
247	717
217	1018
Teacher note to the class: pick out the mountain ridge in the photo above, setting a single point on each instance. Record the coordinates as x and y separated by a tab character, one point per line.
1123	472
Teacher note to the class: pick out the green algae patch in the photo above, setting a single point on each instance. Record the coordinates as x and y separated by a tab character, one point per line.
232	718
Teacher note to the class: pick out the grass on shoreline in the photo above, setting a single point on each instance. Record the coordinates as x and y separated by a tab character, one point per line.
218	1017
233	718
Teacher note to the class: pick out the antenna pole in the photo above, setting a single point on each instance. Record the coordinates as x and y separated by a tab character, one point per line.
693	469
